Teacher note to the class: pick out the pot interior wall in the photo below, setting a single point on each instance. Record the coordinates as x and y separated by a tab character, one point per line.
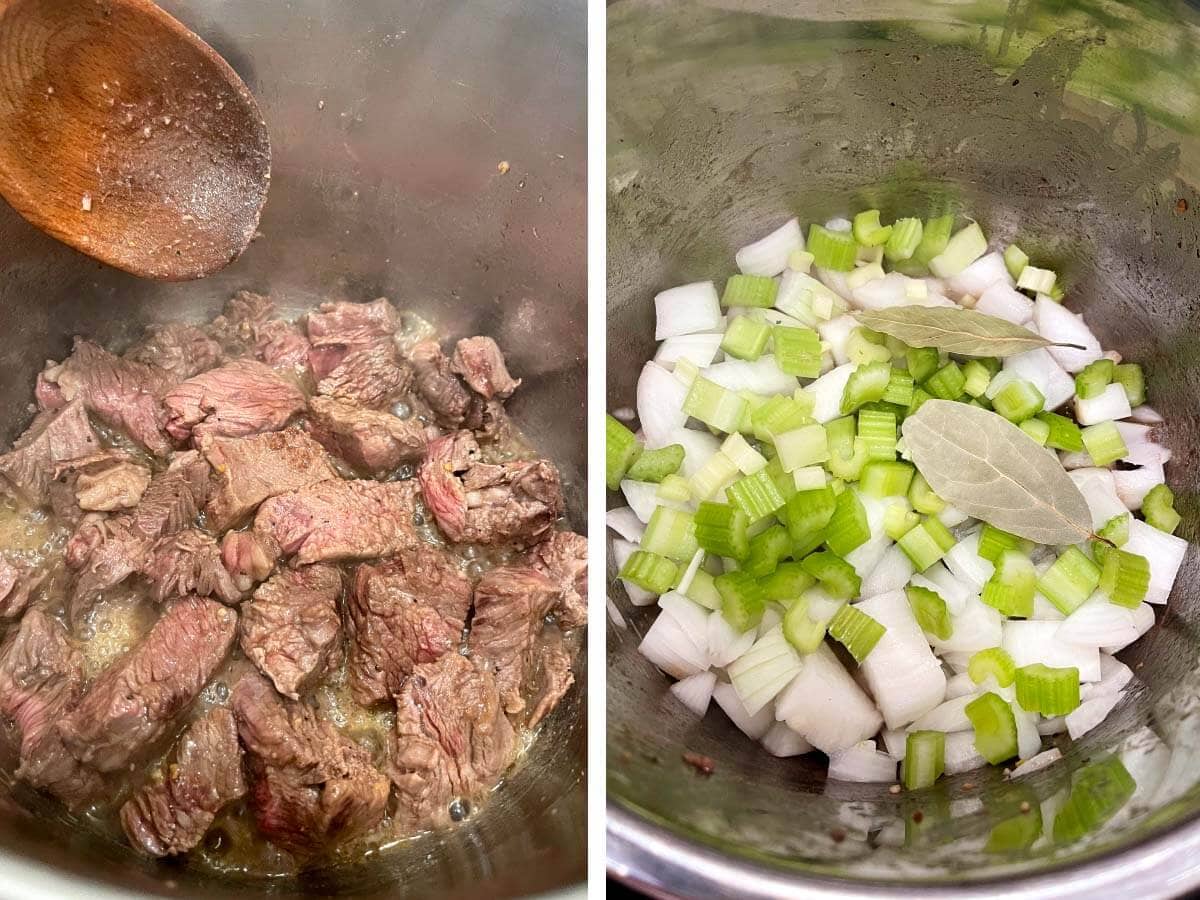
722	124
388	122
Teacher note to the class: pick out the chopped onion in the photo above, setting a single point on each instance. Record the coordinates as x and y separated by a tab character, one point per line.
687	309
642	497
1143	621
668	645
903	674
690	615
1098	623
1029	742
952	516
1163	551
700	349
976	626
827	391
1040	368
1057	323
945	584
1091	713
782	741
761	376
836	333
949	716
1111	403
754	727
835	281
1043	609
865	557
889	574
1114	676
1005	302
1142	449
764	670
882	293
1099	489
960	684
1038	642
958	662
980	275
695	691
1052	726
725	643
769	255
825	705
862	763
968	566
1035	763
1146	415
698	448
895	742
1133	484
961	755
624	521
638	596
660	397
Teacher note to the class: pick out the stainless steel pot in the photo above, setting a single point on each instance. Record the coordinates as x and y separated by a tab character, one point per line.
388	121
1070	126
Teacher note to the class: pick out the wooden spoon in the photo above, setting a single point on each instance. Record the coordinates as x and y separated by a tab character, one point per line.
127	137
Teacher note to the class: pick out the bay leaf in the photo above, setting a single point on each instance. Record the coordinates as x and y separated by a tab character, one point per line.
992	470
954	329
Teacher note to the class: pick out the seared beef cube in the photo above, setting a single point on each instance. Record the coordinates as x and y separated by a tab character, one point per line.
374	378
338	520
279	343
452	739
174	497
188	563
247	558
134	701
374	443
249	470
107	481
239	398
479	503
438	386
563	557
183	350
41	678
552	678
339	329
48	394
248	325
53	439
122	393
291	628
172	812
480	362
511	603
400	616
17	586
310	787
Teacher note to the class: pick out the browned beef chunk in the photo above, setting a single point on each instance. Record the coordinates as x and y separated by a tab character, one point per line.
373	378
552	678
240	398
438	386
107	481
249	470
339	329
48	394
310	787
172	812
480	362
53	439
279	343
41	678
18	583
188	563
248	326
511	603
479	503
562	556
337	520
372	442
122	393
133	702
183	350
291	629
452	739
246	558
401	615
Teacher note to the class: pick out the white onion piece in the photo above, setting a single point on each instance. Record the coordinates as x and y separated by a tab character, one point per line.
669	647
825	705
1163	551
1099	489
687	309
1089	714
1035	763
642	497
700	349
775	317
691	616
976	278
882	293
952	516
781	741
863	764
1029	742
695	691
958	662
865	557
769	255
895	742
945	584
795	296
1037	642
836	333
1143	621
1134	484
1111	403
1052	726
1044	372
1005	302
827	392
638	596
903	674
1078	459
761	376
764	670
660	397
1098	623
960	685
889	574
698	448
835	281
949	716
968	566
1146	758
772	616
1114	676
975	627
1147	415
1043	609
624	521
1057	323
725	643
961	755
754	727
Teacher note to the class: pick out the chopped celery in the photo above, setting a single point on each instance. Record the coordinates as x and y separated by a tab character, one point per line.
686	370
924	759
750	290
1015	259
753	401
899	389
803	446
1098	790
721	530
777	415
1158	509
1116	529
946	383
1064	434
886	478
964	247
713	405
878	431
671	533
1051	692
784	481
865	273
832	249
1094	378
1125	577
746	338
1130	377
756	495
977	377
809	478
674	488
1104	443
655	465
766	550
922	362
716	472
867	230
786	583
797	351
800	261
856	631
935	237
861	349
741	454
808	512
993	662
703	590
835	574
920	395
899	521
1019	831
866	384
800	629
1038	430
926	543
649	571
742	602
993	542
1011	588
1018	400
621	449
848	466
904	240
1040	281
848	527
930	611
922	497
1070	581
995	727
